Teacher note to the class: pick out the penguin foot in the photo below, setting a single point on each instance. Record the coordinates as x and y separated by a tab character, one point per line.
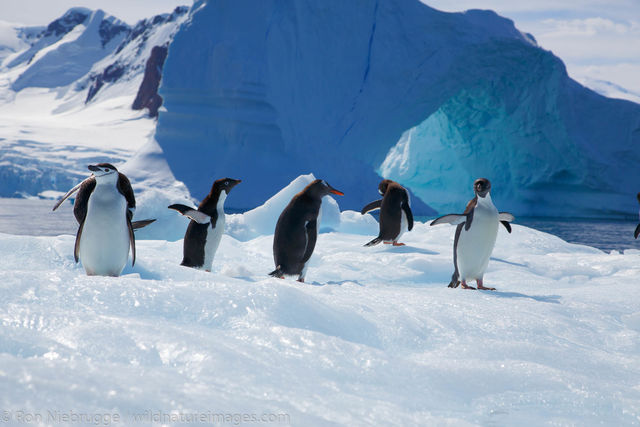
481	287
277	273
301	280
465	286
398	244
387	243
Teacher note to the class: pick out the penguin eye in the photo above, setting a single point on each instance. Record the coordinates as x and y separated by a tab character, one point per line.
226	183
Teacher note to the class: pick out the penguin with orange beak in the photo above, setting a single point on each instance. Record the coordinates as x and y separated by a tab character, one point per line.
297	230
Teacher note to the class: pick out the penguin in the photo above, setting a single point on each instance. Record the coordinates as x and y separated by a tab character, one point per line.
205	229
297	230
104	207
395	213
476	232
637	232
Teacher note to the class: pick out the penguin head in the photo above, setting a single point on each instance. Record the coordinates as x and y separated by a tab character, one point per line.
224	184
320	188
482	186
103	172
384	184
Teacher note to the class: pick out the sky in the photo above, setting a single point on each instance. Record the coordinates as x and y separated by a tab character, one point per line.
596	39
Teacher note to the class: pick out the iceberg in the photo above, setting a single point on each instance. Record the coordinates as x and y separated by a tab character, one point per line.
356	91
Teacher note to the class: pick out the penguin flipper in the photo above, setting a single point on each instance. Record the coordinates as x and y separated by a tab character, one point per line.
506	216
142	223
66	196
453	219
312	236
197	216
371	206
76	247
407	211
374	242
132	241
637	232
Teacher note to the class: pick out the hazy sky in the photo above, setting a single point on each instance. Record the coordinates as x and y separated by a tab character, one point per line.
596	39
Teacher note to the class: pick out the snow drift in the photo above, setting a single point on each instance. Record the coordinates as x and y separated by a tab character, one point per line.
377	336
357	90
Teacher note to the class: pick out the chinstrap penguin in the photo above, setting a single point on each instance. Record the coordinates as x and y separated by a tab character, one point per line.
637	232
476	232
297	230
206	227
104	208
395	213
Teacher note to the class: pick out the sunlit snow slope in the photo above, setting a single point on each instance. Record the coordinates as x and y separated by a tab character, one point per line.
351	89
374	338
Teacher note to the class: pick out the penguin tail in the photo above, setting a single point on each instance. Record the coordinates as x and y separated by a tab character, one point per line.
143	223
374	242
277	272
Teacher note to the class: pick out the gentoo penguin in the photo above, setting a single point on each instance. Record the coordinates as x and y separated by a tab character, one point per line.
637	232
395	213
206	226
297	230
104	207
476	232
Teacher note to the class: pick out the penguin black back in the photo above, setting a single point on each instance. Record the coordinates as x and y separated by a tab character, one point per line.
393	205
297	229
203	224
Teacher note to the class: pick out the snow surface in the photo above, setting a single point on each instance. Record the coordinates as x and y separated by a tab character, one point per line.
374	338
334	90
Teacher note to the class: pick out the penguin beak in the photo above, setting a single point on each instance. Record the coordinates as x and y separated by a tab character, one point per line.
334	191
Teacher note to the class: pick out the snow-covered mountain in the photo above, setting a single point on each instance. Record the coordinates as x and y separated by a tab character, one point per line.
352	91
67	91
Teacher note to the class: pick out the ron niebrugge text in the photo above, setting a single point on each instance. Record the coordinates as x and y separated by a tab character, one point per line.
111	418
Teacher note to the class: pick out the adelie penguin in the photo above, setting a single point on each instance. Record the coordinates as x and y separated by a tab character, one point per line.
104	208
476	232
297	230
206	227
637	232
395	213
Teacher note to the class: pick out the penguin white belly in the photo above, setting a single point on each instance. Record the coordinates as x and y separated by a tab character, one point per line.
404	225
104	243
303	273
476	244
214	235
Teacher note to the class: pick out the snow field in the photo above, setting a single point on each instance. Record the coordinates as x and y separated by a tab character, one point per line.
374	338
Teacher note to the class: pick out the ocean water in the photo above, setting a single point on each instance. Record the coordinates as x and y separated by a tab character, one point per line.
34	217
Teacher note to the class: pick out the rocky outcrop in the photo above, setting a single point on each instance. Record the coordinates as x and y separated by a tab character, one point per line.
147	96
110	74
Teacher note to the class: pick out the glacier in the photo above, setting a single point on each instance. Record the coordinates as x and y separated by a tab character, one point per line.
66	92
356	91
